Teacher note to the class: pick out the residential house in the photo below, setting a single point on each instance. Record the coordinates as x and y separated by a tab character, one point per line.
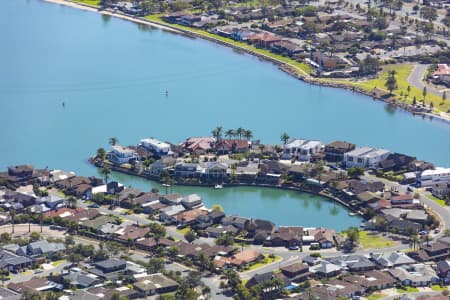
168	215
150	244
96	224
240	259
434	251
212	218
289	237
396	162
365	157
443	73
372	280
82	279
122	155
231	146
130	202
301	149
132	233
335	151
14	263
106	293
6	294
236	221
440	190
109	269
391	259
296	272
187	170
286	47
337	289
443	270
325	269
216	171
34	285
432	177
157	147
192	201
41	248
353	263
263	40
155	284
189	217
216	232
153	207
199	145
415	275
259	230
171	199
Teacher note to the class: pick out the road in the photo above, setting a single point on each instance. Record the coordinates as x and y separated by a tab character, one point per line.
23	229
416	76
415	295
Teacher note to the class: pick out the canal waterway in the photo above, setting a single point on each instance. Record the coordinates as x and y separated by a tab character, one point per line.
112	76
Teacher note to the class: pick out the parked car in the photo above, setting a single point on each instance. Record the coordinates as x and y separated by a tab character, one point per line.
95	205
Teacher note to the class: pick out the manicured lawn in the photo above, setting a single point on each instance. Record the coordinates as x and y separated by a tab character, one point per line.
267	260
58	262
438	288
436	199
376	296
27	272
408	289
403	72
89	2
301	68
184	230
369	240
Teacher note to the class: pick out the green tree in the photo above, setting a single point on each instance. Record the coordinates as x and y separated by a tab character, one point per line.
285	138
217	133
225	239
35	236
101	154
113	141
248	134
240	131
155	265
190	236
230	133
355	172
391	81
217	207
105	171
424	93
5	237
158	231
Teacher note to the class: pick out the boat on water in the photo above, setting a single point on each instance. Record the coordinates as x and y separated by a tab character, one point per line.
352	214
218	186
166	185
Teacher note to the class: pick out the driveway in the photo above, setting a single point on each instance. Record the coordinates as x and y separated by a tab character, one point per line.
416	76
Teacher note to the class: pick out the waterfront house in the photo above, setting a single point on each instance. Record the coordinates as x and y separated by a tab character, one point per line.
259	230
213	217
288	237
443	73
216	232
296	272
365	157
432	177
187	170
171	199
158	148
301	149
391	259
323	236
216	171
236	221
187	218
122	155
199	145
152	207
286	47
415	275
168	215
396	162
231	146
263	40
155	284
434	251
335	151
440	190
130	202
192	201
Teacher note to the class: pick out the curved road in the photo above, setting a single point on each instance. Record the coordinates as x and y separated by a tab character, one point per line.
416	76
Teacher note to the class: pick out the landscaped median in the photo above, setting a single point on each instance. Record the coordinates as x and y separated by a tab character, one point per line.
268	259
437	200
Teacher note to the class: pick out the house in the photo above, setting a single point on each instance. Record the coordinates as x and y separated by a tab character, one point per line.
106	293
391	259
335	151
440	190
259	230
301	149
152	207
34	285
417	215
215	232
191	201
187	170
109	269
325	237
296	272
443	270
14	263
155	284
81	279
365	157
204	221
431	251
168	215
325	269
236	221
52	201
432	177
96	224
171	199
199	145
443	72
289	237
231	146
43	247
263	40
402	199
337	289
150	244
215	170
372	280
157	147
396	162
6	294
353	263
130	202
122	155
328	62
189	217
261	279
239	259
286	47
415	275
132	232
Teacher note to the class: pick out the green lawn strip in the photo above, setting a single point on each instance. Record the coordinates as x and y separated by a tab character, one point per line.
58	262
438	288
184	230
402	75
376	296
27	272
369	240
437	200
408	289
302	68
95	3
267	260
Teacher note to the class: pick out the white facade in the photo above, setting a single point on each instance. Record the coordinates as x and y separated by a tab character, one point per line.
302	149
155	145
431	177
121	155
365	157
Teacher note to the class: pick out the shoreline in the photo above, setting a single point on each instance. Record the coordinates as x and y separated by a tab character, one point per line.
291	70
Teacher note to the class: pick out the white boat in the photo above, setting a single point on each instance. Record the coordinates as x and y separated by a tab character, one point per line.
218	186
352	214
166	185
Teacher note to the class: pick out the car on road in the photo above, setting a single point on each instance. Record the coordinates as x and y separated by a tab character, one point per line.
38	271
95	205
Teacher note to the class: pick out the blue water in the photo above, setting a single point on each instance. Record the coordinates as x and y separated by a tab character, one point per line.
113	74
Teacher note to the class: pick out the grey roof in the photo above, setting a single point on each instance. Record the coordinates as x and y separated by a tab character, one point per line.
392	259
172	210
110	263
352	261
9	259
83	295
417	214
325	267
415	273
81	279
6	294
155	281
43	246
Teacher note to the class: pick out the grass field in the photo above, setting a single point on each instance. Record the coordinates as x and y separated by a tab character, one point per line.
402	75
89	2
184	230
301	68
267	260
438	288
58	262
408	289
369	240
437	200
376	296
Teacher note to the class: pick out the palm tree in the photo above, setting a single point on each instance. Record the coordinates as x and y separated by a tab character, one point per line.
105	171
72	202
248	134
240	131
101	154
113	141
217	133
12	213
230	133
285	138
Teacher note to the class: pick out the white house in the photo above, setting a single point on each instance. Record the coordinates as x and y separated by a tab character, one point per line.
168	214
302	149
156	146
431	177
121	155
365	157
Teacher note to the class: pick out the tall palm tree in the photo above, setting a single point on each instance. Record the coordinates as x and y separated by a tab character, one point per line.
230	133
240	131
285	138
105	171
12	213
248	134
217	132
113	141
